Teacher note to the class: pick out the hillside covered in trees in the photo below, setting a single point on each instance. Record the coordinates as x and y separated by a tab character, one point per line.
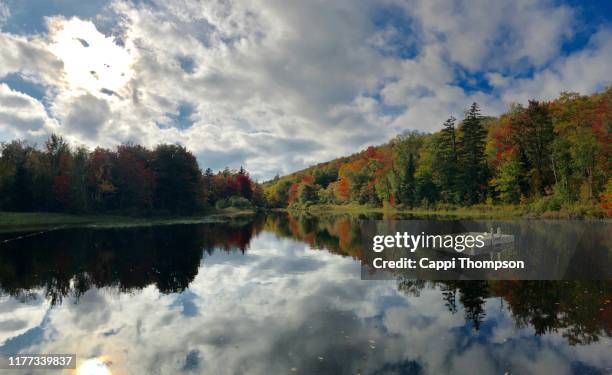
129	179
547	156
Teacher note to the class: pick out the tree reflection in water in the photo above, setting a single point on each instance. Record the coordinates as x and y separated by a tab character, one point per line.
581	310
70	262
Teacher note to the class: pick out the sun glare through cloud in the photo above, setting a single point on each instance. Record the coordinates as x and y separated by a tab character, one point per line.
93	63
94	366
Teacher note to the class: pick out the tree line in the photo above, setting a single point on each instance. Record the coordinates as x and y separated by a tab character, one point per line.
546	155
130	178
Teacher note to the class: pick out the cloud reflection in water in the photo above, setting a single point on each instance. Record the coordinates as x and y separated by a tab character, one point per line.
275	303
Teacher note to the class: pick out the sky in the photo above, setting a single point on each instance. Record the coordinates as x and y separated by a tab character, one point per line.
238	314
278	85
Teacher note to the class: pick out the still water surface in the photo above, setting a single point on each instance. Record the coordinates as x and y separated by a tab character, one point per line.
281	294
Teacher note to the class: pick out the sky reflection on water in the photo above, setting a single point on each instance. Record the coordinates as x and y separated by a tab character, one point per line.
276	306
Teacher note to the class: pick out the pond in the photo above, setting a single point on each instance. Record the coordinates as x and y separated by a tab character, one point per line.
281	294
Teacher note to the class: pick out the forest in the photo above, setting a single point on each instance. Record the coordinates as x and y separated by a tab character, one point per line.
128	179
546	156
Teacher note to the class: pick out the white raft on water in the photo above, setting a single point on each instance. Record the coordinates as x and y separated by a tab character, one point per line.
494	242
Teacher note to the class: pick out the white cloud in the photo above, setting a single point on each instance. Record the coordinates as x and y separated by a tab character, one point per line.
91	62
278	85
481	34
21	115
585	71
238	314
5	13
87	115
29	56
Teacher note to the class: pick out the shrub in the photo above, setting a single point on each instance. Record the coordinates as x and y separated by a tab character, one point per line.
235	201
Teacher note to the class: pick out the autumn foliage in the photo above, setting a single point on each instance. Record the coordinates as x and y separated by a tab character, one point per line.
130	178
547	155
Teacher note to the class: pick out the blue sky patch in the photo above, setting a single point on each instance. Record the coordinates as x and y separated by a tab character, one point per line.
27	16
181	119
16	82
187	64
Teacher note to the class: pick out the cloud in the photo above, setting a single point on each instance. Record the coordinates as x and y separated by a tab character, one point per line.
5	13
583	71
91	61
29	56
276	85
315	316
480	34
86	116
21	115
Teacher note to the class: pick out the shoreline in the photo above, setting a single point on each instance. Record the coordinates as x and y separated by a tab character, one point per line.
23	221
491	212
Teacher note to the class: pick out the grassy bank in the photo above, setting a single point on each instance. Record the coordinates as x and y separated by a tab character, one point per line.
420	212
33	220
476	211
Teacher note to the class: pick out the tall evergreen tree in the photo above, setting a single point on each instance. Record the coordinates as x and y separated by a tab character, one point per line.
447	159
472	157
